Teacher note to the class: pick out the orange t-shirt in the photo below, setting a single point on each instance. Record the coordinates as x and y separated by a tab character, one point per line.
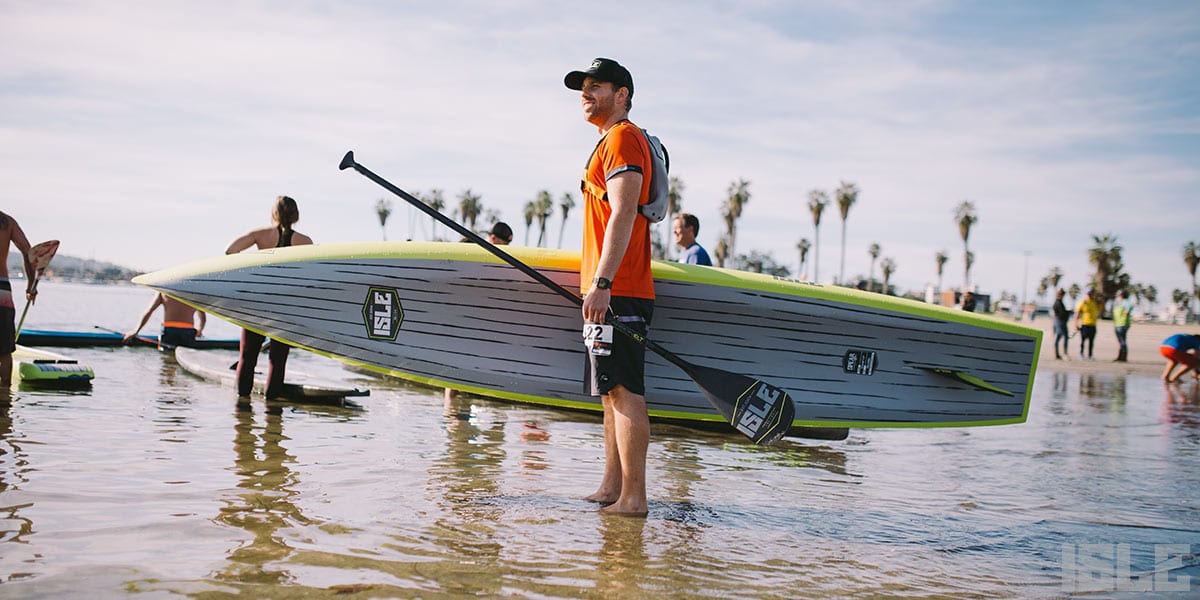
623	148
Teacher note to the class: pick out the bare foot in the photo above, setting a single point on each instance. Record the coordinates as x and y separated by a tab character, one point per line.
625	509
602	497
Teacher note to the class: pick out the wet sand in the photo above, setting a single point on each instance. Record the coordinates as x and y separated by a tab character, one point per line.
1143	340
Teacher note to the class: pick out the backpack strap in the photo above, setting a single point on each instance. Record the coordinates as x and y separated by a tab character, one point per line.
588	187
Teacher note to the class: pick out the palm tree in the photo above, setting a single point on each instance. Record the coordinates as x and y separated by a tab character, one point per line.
530	211
817	200
873	251
544	205
565	205
803	247
674	207
383	209
1074	292
965	216
1105	255
721	251
846	195
970	258
739	195
941	258
469	207
1054	276
888	266
1191	258
437	202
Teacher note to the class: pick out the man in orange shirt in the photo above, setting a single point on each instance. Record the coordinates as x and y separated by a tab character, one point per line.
615	279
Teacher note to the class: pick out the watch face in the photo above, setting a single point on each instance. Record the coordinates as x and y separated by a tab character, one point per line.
602	283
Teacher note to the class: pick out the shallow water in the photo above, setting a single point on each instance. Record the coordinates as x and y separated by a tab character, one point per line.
152	483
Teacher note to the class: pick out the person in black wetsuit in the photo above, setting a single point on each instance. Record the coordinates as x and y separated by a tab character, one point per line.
285	214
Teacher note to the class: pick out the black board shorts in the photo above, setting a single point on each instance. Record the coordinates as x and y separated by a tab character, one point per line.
8	330
626	365
177	336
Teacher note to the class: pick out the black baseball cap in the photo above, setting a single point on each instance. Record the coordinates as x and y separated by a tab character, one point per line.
604	69
502	231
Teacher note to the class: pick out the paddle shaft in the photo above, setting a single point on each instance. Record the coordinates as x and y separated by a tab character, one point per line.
139	337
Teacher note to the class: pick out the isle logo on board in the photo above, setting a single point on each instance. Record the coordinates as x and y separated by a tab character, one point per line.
382	313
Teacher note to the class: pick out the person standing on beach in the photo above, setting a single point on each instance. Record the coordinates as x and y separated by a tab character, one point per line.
616	279
1122	318
1061	317
11	233
686	227
279	235
1086	316
1180	349
182	324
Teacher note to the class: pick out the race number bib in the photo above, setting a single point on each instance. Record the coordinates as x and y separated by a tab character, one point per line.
597	338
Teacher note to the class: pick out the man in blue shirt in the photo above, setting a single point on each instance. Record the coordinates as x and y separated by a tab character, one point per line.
685	228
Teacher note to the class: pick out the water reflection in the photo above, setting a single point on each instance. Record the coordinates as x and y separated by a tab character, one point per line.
13	463
466	481
1181	405
622	558
265	506
1103	392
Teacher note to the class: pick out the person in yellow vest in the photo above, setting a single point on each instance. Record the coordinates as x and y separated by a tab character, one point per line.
1122	318
1086	316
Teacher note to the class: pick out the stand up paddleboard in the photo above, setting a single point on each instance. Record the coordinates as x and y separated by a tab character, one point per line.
46	369
453	315
88	339
298	387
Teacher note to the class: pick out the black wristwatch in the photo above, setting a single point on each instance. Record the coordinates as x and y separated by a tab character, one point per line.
601	283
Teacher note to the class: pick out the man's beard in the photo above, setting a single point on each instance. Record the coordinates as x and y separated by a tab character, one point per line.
602	111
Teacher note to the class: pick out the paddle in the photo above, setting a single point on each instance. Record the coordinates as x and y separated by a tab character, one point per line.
39	258
139	337
754	407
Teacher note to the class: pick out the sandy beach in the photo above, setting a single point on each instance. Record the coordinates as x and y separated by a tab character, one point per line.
1143	340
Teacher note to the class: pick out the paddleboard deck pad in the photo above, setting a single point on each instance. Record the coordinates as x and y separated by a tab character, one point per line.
452	315
297	387
46	369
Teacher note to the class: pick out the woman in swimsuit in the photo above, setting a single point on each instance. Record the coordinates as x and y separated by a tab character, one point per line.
281	234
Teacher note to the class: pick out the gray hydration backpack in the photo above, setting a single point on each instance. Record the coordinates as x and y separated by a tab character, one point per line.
655	209
660	185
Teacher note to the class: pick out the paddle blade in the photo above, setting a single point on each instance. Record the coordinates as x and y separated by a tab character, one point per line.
41	254
759	410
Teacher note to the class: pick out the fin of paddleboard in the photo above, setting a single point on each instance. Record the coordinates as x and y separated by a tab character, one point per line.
964	377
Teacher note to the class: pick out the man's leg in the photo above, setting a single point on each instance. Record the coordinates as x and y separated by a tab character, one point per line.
6	369
610	484
632	432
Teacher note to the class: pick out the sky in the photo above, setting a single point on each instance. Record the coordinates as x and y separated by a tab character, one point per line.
151	134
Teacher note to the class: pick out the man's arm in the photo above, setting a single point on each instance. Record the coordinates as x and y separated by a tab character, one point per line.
623	192
158	300
22	243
